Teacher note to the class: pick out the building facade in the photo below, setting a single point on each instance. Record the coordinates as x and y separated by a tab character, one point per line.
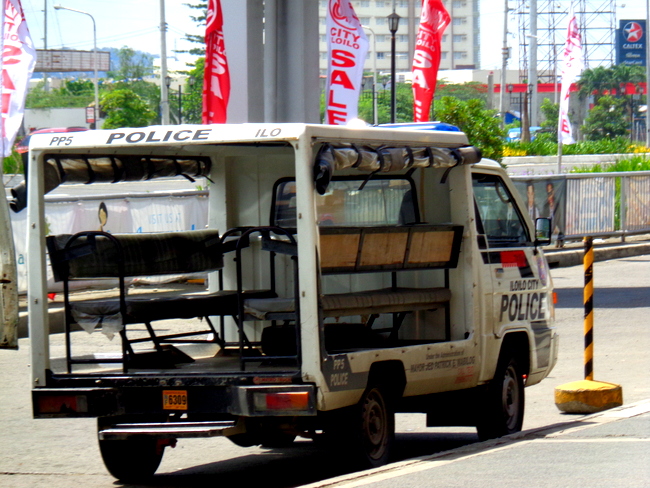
460	43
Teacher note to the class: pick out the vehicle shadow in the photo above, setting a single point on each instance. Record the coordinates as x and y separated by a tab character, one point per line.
303	463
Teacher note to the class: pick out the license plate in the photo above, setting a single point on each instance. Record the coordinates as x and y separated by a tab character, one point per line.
174	399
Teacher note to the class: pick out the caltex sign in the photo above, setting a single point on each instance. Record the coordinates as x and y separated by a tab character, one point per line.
631	42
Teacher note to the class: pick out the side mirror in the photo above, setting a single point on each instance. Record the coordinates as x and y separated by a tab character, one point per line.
542	232
19	194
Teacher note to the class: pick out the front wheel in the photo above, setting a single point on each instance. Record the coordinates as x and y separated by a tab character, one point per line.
132	459
502	412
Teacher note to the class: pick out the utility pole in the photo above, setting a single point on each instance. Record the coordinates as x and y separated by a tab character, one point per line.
164	94
647	72
532	65
46	85
506	54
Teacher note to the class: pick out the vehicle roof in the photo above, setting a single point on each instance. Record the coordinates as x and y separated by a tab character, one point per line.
242	133
24	141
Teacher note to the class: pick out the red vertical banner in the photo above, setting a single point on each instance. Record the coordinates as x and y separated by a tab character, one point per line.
426	58
17	65
216	81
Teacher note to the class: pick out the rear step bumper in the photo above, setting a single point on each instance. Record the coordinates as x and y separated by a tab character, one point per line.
169	430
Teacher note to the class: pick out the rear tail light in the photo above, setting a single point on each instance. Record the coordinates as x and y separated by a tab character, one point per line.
286	402
52	404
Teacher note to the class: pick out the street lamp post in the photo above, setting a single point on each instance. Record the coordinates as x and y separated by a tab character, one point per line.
393	25
505	53
168	84
164	92
180	104
374	75
96	111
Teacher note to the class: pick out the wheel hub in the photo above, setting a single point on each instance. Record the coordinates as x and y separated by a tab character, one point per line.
374	423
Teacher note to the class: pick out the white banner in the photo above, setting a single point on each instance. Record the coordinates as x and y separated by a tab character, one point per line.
571	69
347	47
18	59
116	216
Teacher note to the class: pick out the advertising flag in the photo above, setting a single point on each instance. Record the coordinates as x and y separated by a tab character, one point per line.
571	69
17	64
216	81
347	47
426	58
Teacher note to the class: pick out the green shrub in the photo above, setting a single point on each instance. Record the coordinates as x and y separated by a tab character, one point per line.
480	125
634	163
545	145
12	164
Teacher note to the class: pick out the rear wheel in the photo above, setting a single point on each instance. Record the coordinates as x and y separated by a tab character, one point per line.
132	459
503	410
377	428
362	435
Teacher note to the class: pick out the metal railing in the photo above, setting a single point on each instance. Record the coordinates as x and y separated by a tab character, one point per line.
591	204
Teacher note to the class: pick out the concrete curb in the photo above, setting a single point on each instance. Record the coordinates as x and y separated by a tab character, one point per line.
579	159
563	258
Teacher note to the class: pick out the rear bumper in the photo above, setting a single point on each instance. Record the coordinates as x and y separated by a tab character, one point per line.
235	401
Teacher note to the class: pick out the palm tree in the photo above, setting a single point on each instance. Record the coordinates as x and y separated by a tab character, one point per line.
598	81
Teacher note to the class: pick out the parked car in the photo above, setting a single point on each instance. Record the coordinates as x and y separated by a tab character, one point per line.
514	134
19	192
22	147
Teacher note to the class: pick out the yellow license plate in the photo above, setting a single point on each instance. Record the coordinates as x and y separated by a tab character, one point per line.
174	399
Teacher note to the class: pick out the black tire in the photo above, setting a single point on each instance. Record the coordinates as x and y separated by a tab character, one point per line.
377	425
363	435
132	459
502	411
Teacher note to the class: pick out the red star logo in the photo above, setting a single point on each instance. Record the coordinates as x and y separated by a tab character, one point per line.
633	32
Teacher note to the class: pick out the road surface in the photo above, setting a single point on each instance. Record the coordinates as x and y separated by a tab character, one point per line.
63	452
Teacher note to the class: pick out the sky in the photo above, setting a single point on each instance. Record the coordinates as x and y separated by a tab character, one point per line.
133	23
491	13
136	23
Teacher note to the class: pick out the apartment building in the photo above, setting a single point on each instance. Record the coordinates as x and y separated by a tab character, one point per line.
460	43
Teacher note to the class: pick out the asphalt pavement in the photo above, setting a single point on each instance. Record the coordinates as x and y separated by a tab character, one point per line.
609	449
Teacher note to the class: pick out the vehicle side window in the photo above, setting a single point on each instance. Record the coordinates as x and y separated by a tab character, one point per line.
497	214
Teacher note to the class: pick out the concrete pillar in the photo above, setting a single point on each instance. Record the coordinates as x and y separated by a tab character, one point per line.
244	39
272	49
292	47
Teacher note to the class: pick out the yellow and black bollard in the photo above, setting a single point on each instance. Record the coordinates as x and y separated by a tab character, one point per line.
589	308
588	396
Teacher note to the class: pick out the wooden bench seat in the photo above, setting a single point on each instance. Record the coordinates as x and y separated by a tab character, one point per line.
350	250
388	300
